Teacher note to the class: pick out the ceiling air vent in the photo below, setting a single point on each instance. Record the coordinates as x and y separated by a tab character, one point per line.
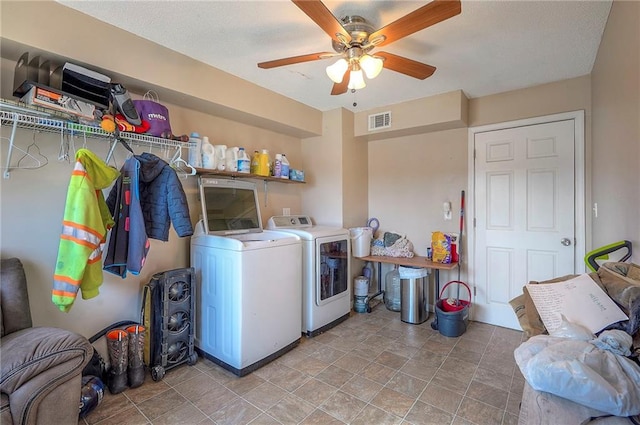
380	121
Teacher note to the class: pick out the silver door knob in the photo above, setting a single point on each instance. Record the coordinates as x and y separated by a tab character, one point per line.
565	241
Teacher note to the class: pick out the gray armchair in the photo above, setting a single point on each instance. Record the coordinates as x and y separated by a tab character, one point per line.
41	367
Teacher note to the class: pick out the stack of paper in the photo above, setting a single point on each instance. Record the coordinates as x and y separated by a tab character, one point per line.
580	300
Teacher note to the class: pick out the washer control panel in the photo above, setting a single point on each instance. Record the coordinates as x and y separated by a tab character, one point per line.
289	222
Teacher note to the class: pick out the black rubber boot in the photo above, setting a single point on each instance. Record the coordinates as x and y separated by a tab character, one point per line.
118	344
136	351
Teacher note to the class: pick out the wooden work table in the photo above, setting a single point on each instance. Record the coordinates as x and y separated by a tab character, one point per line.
415	261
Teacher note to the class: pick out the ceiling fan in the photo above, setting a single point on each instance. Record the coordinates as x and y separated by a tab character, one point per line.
353	39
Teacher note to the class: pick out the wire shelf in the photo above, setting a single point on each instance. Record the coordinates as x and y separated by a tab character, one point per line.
51	125
31	122
43	123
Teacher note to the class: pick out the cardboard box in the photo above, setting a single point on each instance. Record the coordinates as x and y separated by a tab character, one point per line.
49	98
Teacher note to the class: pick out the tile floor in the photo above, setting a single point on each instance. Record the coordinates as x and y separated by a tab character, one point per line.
372	369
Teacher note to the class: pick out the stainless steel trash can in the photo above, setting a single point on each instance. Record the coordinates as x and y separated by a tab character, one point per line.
414	295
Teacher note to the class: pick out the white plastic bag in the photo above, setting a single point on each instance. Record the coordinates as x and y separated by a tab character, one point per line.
571	330
581	372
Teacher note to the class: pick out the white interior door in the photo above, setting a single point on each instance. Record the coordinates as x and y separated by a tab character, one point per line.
525	213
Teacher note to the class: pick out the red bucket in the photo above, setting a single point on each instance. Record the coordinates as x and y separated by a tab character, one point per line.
452	304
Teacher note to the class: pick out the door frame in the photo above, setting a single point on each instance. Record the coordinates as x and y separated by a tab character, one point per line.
580	242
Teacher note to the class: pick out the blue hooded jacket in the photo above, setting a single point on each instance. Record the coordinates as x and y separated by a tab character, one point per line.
162	198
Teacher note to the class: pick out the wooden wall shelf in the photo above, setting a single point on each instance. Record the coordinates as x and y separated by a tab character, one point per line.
234	174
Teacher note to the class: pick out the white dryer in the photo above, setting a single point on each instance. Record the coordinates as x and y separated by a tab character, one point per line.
248	293
326	271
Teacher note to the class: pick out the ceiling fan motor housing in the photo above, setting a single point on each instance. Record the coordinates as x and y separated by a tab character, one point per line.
358	28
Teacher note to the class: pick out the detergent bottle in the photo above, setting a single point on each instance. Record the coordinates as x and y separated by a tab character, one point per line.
208	154
244	163
255	161
277	165
284	172
232	159
367	271
221	156
195	150
263	163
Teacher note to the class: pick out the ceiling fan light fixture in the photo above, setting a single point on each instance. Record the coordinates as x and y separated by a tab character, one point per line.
356	80
371	66
337	70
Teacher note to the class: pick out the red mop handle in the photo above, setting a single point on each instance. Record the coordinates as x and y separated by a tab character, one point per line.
461	212
460	237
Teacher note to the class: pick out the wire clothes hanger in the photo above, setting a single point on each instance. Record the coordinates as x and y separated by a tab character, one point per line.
32	157
63	153
180	165
32	162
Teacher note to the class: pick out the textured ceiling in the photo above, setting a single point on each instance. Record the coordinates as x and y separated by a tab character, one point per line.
491	47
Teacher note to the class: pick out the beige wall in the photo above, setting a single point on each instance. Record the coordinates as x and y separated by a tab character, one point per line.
410	177
401	180
616	129
323	192
355	165
336	164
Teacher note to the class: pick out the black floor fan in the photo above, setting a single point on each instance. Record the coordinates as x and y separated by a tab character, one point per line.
168	310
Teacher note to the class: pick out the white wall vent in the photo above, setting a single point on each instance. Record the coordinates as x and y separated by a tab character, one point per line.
379	121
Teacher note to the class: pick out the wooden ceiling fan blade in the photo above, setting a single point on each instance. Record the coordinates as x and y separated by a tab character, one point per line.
419	19
406	66
296	59
318	12
340	88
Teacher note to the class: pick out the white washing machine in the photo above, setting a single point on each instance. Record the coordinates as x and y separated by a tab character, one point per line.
248	293
326	271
